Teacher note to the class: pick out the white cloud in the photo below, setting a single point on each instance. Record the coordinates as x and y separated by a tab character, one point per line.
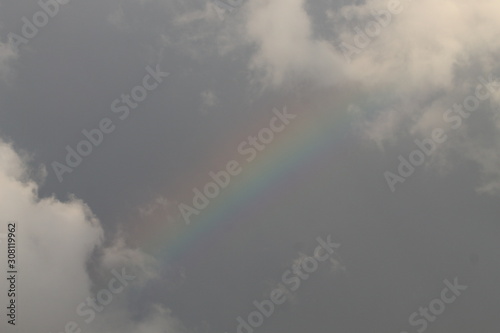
420	50
428	58
282	31
55	241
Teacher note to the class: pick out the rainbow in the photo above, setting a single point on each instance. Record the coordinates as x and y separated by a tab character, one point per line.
304	140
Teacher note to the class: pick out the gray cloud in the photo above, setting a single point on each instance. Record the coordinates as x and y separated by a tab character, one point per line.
325	175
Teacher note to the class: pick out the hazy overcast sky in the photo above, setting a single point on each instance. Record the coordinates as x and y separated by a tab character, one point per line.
203	150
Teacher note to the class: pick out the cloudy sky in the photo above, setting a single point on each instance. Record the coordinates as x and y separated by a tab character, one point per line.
250	166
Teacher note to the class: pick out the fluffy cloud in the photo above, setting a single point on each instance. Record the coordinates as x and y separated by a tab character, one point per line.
283	33
422	48
426	59
55	241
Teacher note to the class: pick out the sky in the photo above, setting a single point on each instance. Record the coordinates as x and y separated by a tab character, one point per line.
220	166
